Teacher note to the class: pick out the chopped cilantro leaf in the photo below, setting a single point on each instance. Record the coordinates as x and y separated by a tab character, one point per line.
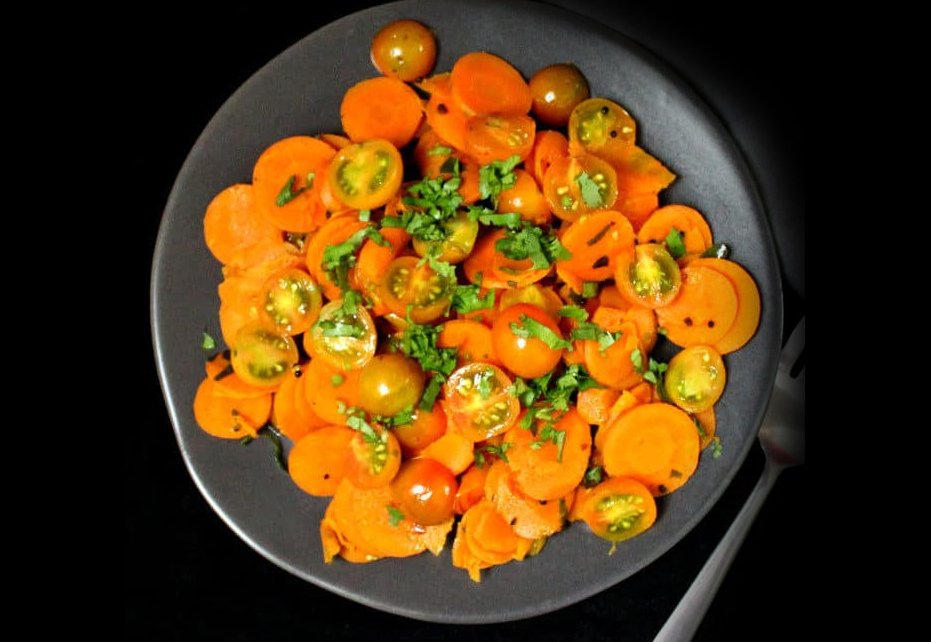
589	289
532	242
593	477
288	193
591	193
337	259
573	312
365	215
356	420
440	150
530	327
498	451
208	343
502	220
332	328
716	251
636	358
675	244
717	449
496	177
466	299
395	516
337	380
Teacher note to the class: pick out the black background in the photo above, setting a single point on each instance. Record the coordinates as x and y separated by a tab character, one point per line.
187	576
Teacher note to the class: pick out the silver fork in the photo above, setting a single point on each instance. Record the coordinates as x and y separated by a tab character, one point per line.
782	435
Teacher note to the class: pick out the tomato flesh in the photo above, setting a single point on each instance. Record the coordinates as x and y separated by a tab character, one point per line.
291	300
389	384
261	355
345	340
414	288
366	175
578	185
618	509
596	121
478	401
373	461
426	491
649	276
695	378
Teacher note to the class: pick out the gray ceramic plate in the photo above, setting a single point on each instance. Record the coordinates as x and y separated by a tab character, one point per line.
299	93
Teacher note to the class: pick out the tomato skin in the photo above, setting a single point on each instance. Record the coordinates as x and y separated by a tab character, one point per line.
407	284
291	300
365	175
426	491
696	378
456	247
556	91
526	199
404	49
261	355
496	138
563	192
373	464
343	352
475	417
526	357
649	276
616	509
389	384
596	122
427	427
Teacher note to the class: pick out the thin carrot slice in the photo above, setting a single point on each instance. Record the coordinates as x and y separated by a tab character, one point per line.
488	535
748	304
335	543
444	115
483	83
330	390
287	180
547	147
231	223
229	418
637	171
284	408
364	519
381	108
596	241
656	444
335	231
515	273
636	207
528	517
612	366
538	469
641	316
709	423
704	311
463	557
479	266
594	404
302	404
696	234
317	462
372	264
452	450
471	489
471	339
625	402
228	382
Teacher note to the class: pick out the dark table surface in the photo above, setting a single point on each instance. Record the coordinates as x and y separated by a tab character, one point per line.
187	576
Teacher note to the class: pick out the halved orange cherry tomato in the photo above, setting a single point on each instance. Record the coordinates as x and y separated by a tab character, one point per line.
617	509
366	175
427	427
556	90
525	356
494	138
695	378
479	403
526	199
404	49
389	384
373	459
418	288
576	186
649	276
345	340
261	355
596	121
456	247
426	491
291	299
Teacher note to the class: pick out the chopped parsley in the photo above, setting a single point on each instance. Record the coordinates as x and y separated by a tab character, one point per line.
356	420
288	193
717	449
419	342
431	203
207	342
403	418
395	516
716	251
593	476
574	312
654	373
478	455
549	433
501	220
497	176
675	244
339	258
530	327
466	299
440	150
532	242
591	193
337	380
340	328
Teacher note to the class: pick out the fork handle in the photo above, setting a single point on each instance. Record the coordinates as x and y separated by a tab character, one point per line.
684	621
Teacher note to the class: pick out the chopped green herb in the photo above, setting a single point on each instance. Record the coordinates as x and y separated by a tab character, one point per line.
593	476
331	328
662	331
497	451
501	220
337	380
483	383
590	289
431	391
591	193
717	449
339	258
440	150
403	418
549	433
208	343
288	193
431	203
532	242
716	251
655	375
365	215
675	244
395	516
573	312
530	327
420	342
356	420
497	176
636	358
588	331
466	299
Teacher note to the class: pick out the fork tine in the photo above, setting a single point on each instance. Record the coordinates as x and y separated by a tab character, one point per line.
793	347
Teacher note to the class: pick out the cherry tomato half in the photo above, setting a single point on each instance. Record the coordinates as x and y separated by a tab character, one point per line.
389	384
556	90
457	246
366	175
649	276
492	138
345	340
426	491
404	49
596	121
479	402
407	284
261	355
291	299
695	378
373	460
427	427
578	185
617	509
525	356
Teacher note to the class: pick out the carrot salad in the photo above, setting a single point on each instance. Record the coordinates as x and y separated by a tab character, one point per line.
448	311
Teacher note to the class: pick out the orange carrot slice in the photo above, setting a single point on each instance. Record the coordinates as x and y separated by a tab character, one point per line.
483	83
317	462
287	179
229	418
232	224
381	108
471	339
748	304
704	310
696	234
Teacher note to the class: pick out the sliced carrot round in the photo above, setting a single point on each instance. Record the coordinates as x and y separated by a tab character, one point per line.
232	223
596	241
696	235
471	339
656	444
704	310
331	390
528	517
317	462
229	418
748	304
483	83
381	108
